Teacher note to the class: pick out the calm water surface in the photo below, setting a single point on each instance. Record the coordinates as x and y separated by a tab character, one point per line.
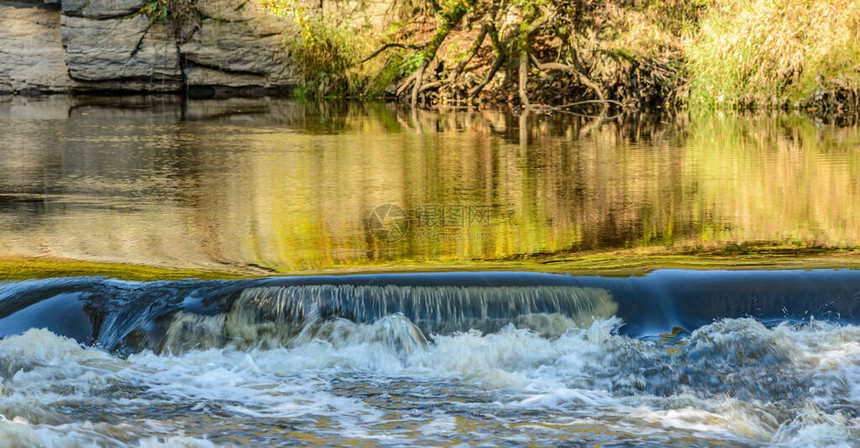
281	185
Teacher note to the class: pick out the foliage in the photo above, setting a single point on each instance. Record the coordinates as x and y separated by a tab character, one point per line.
774	52
397	66
325	51
645	53
170	11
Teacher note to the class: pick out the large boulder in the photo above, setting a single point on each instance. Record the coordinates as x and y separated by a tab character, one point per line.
31	54
101	9
129	53
109	45
238	44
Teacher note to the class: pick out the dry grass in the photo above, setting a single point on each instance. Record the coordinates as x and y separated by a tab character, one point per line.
774	53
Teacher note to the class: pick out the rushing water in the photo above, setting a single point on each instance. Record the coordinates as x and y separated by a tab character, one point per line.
675	358
273	183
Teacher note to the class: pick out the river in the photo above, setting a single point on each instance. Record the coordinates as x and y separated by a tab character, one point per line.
673	357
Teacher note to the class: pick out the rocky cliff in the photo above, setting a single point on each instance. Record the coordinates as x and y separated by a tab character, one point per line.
113	45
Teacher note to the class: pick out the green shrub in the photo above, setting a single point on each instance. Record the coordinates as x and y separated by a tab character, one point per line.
325	51
170	11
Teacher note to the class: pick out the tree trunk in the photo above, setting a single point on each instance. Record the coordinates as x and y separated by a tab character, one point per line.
450	19
524	75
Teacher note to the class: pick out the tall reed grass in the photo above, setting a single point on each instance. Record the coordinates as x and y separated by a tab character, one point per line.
773	53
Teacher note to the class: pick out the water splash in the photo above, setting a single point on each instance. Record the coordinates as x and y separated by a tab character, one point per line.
346	383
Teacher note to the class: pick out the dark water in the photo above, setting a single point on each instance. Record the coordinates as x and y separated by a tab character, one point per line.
675	358
128	317
276	184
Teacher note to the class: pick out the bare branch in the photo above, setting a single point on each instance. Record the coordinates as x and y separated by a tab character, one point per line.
391	45
547	66
476	45
450	19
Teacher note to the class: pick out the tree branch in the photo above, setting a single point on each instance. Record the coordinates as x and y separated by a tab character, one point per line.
476	45
501	56
547	66
450	19
391	45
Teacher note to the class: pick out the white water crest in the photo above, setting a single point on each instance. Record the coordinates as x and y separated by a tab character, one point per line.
735	382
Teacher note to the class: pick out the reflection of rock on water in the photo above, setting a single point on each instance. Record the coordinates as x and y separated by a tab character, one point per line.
273	183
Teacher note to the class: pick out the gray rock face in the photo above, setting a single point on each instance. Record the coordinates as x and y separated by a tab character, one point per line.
124	54
31	54
101	9
75	45
238	47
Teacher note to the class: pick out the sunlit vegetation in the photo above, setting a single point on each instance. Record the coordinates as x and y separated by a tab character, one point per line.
457	50
326	50
776	54
538	53
551	53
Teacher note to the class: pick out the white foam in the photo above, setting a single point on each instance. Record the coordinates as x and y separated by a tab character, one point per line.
515	373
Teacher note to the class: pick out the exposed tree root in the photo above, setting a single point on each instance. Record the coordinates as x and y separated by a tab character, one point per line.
501	56
473	50
515	39
547	66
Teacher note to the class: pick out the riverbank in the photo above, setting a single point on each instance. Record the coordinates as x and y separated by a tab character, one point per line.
634	55
615	263
557	55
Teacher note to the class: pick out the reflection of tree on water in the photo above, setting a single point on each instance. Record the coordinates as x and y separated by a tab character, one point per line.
286	185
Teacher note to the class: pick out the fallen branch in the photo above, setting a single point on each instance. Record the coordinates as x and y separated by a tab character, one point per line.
563	109
580	103
431	85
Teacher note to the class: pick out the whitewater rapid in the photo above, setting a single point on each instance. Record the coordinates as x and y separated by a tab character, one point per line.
734	382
